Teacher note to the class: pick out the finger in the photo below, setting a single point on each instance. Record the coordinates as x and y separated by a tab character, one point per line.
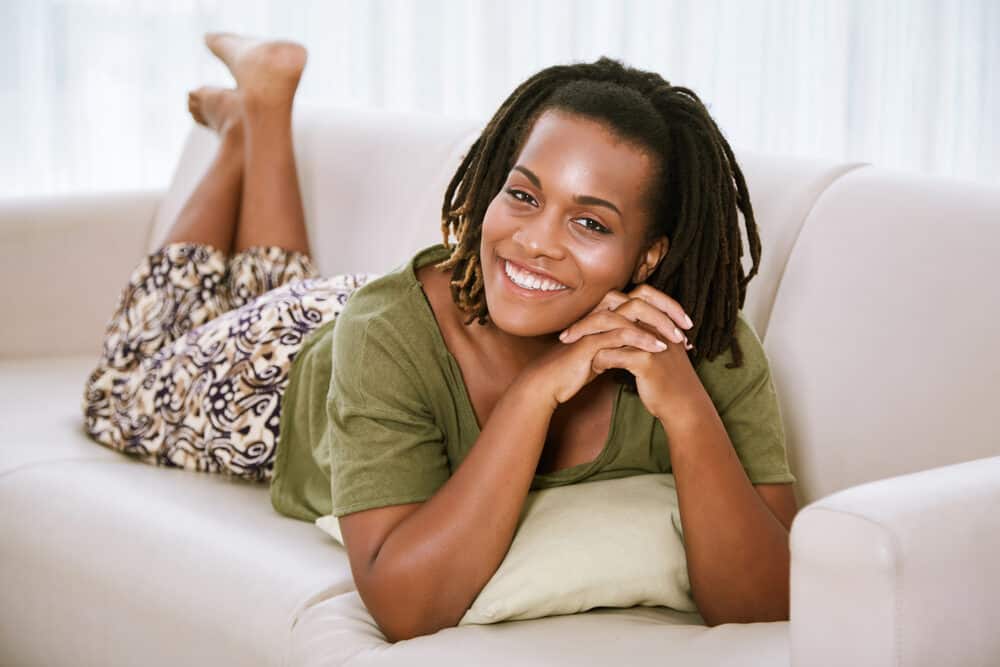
640	310
626	337
635	312
628	358
687	344
666	303
605	320
611	300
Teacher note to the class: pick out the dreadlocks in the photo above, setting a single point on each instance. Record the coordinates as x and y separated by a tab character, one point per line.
695	195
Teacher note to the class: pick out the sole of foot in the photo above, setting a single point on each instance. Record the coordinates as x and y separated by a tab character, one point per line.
267	71
218	109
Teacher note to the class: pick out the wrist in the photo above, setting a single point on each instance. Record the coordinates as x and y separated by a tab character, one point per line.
686	411
533	384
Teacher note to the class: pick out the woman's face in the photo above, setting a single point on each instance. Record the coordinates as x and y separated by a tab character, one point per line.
572	208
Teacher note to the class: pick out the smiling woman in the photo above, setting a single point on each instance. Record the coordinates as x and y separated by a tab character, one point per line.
600	202
548	346
550	222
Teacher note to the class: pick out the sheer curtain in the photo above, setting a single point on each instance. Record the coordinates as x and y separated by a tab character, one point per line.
93	92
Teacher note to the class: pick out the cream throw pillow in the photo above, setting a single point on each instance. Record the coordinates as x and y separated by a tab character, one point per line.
611	543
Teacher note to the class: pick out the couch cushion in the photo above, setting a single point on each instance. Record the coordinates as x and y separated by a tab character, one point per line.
610	543
50	243
339	631
783	189
373	182
885	334
41	417
127	563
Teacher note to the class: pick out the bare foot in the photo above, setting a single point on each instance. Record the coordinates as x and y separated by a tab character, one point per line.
219	109
265	71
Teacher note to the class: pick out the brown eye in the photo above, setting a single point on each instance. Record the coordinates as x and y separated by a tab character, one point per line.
521	196
598	227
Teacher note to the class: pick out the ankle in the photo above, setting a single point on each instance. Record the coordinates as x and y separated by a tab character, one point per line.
231	134
266	106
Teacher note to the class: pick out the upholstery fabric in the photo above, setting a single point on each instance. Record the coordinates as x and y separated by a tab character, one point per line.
874	304
609	543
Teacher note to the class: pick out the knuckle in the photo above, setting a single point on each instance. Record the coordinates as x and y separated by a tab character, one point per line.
643	289
642	339
611	298
648	291
624	335
609	318
630	305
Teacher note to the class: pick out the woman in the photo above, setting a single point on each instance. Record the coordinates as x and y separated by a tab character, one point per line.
546	347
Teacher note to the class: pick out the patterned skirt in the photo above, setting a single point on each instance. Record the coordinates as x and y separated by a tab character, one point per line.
196	356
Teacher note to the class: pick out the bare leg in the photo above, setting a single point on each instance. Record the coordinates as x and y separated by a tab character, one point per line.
267	75
211	212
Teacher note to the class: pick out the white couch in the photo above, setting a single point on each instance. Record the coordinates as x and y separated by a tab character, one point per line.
877	302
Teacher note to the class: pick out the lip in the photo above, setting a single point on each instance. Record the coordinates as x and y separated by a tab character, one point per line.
529	269
521	291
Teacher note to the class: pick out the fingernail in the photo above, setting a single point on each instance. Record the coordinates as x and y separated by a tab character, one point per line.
687	319
562	336
677	332
660	344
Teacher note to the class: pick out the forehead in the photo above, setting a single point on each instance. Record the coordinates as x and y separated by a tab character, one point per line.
577	155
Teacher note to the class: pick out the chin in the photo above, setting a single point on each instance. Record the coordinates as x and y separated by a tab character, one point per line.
520	318
527	313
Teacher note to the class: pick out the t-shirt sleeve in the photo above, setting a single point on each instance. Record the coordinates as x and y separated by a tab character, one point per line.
385	446
747	403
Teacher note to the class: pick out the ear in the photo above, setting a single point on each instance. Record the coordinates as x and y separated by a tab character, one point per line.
650	259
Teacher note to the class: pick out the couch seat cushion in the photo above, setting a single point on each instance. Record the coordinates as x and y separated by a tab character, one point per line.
124	563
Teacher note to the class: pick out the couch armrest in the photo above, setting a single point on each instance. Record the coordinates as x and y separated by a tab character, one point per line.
63	263
901	571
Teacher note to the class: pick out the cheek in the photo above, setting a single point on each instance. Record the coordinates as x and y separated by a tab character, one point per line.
494	222
603	267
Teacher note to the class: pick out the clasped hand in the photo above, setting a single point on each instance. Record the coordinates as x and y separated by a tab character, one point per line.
639	331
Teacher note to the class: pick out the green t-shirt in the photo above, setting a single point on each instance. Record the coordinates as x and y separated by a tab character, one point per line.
376	412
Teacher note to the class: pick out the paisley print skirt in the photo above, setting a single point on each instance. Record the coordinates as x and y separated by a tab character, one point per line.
196	356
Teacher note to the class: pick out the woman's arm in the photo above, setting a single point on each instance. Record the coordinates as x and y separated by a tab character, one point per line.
737	550
434	562
738	555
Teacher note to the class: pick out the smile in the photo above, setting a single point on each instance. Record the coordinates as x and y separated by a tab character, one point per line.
530	281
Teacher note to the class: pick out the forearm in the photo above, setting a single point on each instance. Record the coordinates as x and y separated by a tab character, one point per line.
737	551
438	559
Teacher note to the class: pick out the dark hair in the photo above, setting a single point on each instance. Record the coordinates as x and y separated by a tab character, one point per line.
695	195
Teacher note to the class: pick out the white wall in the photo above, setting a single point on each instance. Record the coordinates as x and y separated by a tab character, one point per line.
93	92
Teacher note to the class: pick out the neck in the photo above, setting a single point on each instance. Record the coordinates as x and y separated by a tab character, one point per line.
513	352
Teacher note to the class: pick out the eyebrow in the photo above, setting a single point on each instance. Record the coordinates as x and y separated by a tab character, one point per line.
580	199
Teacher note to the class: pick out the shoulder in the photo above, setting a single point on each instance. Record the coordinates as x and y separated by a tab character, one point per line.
725	382
385	335
394	300
381	316
750	345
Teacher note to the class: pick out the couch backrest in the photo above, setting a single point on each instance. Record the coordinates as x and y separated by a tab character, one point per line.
862	398
373	183
884	339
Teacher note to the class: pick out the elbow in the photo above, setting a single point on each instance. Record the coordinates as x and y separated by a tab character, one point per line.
764	613
400	628
413	622
756	605
713	620
392	635
400	609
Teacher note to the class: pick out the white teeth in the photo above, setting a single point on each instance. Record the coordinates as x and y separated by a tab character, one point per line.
530	280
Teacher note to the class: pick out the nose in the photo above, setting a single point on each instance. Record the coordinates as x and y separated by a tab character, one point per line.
540	235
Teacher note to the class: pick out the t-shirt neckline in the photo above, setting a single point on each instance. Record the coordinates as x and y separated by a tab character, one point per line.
438	253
